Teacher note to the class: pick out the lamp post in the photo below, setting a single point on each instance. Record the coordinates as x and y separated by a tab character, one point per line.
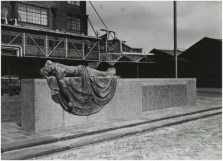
175	35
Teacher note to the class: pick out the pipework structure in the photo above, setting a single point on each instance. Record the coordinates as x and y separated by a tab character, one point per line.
33	32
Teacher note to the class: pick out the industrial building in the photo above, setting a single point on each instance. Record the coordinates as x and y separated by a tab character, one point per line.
33	32
204	62
36	31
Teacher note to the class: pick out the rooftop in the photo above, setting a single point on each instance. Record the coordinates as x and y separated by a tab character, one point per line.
166	52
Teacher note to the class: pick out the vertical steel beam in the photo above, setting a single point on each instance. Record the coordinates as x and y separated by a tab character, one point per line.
83	50
99	54
46	46
175	36
66	47
106	42
24	43
137	70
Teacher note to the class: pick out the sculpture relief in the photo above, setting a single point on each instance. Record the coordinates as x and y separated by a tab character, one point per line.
78	89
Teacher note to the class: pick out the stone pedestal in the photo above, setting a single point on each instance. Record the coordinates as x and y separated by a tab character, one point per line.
133	97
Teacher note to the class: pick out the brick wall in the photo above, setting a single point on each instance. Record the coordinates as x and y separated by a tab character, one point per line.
62	8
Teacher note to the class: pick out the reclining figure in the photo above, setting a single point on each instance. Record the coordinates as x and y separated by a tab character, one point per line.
78	89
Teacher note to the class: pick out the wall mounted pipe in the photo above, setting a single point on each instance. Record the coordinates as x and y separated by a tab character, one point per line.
14	46
107	31
6	21
14	49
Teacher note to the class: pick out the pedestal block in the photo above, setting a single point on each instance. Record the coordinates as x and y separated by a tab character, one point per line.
133	97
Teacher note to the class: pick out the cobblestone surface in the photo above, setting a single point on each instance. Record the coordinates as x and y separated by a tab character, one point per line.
200	139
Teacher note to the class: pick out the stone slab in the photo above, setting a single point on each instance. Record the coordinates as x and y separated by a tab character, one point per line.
163	96
191	94
132	98
28	105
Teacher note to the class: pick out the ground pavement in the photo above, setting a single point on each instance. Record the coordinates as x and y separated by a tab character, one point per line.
18	144
200	139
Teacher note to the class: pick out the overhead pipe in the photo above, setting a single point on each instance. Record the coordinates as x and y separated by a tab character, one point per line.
106	30
19	54
6	21
10	48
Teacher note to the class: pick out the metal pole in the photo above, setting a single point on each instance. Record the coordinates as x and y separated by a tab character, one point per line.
46	46
66	47
92	27
137	70
98	15
24	44
175	36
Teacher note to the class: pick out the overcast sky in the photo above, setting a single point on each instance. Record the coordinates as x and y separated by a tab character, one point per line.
149	24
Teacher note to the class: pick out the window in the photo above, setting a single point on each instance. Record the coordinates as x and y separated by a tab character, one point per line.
78	46
9	38
75	3
40	42
33	14
53	44
73	22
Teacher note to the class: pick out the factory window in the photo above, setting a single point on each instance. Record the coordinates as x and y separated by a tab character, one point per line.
73	22
8	38
75	3
40	42
32	14
78	46
53	44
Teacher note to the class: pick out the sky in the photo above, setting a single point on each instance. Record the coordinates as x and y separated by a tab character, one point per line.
149	24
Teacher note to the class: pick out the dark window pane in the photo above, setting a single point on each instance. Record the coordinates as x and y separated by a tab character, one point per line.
73	22
32	14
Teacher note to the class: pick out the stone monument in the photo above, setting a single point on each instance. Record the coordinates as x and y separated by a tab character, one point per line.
89	96
78	89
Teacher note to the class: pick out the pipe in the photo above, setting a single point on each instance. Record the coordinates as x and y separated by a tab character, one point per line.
10	48
6	21
16	23
15	46
107	31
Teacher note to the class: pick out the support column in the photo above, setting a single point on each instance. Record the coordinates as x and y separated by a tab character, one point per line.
175	36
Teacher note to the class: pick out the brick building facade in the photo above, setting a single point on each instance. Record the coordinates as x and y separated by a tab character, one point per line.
35	31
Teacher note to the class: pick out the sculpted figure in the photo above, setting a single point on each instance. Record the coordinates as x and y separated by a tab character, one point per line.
80	90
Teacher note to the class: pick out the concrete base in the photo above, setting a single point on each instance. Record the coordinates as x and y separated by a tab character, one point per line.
133	97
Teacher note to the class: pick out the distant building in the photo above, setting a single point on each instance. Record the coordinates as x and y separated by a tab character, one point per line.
164	66
204	62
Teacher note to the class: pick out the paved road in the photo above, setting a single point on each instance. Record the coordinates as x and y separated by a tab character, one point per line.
200	139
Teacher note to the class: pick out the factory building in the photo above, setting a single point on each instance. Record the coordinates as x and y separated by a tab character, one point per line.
35	31
204	62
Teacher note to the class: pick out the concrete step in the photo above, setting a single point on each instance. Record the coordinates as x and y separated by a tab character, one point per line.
119	131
